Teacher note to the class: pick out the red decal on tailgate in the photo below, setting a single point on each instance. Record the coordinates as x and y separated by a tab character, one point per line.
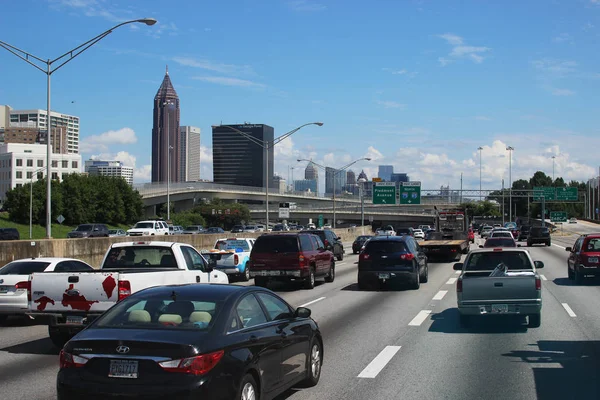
43	302
76	301
109	285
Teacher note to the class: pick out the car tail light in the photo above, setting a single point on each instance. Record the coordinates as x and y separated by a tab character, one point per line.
326	242
68	360
408	257
236	259
538	284
198	365
459	286
363	256
24	285
498	249
301	261
124	289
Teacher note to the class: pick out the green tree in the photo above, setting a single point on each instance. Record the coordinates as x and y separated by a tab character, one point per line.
187	218
225	215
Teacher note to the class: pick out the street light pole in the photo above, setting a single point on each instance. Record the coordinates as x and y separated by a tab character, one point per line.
553	158
361	182
27	57
266	144
168	163
31	201
480	149
510	150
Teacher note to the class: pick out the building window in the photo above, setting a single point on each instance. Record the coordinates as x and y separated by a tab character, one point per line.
30	163
54	176
74	164
40	175
19	162
19	185
54	164
19	175
65	164
40	163
64	175
29	174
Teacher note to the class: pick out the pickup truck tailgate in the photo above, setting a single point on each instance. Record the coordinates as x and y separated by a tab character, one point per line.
75	291
486	288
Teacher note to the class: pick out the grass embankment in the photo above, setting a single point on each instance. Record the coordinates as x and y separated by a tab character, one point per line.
39	232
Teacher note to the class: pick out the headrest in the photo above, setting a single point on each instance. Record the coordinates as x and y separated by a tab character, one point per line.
139	316
170	318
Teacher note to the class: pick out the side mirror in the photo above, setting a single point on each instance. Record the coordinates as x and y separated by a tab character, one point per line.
569	249
339	238
538	264
212	263
302	312
481	246
458	267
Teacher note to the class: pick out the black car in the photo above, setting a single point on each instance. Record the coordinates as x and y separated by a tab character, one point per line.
405	231
238	229
9	234
331	241
359	243
499	242
392	258
523	232
193	342
88	231
213	230
539	234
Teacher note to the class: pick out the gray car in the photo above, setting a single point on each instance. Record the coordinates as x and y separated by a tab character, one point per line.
116	232
193	230
89	231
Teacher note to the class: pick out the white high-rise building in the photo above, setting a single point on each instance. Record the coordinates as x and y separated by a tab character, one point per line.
109	168
5	117
24	163
37	119
190	153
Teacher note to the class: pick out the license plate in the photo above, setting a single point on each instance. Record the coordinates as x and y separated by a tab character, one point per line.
590	259
74	320
499	308
384	276
123	369
4	289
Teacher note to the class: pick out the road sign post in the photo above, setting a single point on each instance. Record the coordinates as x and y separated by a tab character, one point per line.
384	193
410	193
558	216
321	221
284	210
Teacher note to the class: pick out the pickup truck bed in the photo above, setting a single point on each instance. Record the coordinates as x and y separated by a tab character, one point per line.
450	249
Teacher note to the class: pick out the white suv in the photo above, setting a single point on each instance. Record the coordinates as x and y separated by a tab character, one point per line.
149	228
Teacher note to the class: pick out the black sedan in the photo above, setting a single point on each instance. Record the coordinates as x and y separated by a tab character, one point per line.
193	341
359	242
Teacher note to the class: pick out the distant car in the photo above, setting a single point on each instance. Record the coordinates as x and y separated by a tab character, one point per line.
116	232
149	228
9	234
523	232
419	234
281	228
250	229
573	220
405	231
359	242
387	230
89	231
485	232
497	226
237	229
214	230
193	230
501	234
539	234
331	241
499	242
327	226
175	230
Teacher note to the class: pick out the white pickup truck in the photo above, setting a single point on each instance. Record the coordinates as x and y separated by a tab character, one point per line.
231	256
72	300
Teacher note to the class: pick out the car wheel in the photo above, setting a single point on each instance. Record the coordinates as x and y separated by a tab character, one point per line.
416	281
361	284
570	273
246	274
354	251
315	361
309	283
535	320
331	275
548	244
248	389
425	276
578	277
260	281
340	256
464	320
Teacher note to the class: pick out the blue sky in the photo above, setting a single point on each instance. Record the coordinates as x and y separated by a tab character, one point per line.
417	84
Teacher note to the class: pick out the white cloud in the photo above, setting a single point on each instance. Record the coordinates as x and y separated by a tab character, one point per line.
162	28
306	5
461	50
102	141
559	68
221	80
395	71
391	104
141	174
562	38
228	69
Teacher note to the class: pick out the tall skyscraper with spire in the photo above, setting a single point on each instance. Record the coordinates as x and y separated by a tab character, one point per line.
166	133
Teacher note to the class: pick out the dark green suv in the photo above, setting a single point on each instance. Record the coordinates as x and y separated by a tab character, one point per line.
538	234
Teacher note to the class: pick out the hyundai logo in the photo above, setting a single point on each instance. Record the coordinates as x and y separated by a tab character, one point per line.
123	349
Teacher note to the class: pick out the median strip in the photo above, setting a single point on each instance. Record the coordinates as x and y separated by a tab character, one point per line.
421	316
379	362
312	302
569	310
440	295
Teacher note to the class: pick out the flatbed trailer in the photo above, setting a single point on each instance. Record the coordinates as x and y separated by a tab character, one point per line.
446	249
451	239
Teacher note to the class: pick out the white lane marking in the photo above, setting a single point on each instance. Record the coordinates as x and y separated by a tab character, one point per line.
421	316
543	277
379	362
568	310
451	281
340	263
312	302
560	247
457	272
440	295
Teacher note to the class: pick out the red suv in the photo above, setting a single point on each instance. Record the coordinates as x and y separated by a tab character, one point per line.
290	257
584	257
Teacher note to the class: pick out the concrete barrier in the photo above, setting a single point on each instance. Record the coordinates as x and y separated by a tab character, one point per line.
92	250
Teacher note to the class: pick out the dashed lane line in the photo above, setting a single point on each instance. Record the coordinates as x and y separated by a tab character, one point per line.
543	277
451	281
440	295
560	247
313	302
421	316
569	310
379	362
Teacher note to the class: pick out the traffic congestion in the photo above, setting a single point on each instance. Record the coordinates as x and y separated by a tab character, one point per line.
304	315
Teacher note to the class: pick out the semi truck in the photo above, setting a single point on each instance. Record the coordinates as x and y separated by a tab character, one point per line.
450	239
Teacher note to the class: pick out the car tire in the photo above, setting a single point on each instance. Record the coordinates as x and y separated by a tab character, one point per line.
549	244
331	275
261	281
58	338
354	251
535	320
570	274
246	274
248	389
340	256
465	320
425	277
415	284
309	282
361	284
578	277
315	362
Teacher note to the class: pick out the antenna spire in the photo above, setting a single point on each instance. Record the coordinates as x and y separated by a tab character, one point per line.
167	70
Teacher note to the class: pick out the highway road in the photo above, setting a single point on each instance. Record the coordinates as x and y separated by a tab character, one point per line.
404	344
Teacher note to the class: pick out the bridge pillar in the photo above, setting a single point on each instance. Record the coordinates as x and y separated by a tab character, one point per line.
149	211
183	205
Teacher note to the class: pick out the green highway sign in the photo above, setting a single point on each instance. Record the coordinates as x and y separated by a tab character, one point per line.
410	193
549	193
384	193
567	194
558	216
321	222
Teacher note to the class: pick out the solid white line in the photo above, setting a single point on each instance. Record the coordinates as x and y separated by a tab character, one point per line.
312	302
457	272
451	281
543	277
379	362
560	247
421	316
440	295
568	310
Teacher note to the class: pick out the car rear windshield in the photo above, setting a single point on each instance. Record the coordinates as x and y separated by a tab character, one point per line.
193	228
362	238
500	242
84	228
488	261
276	244
403	230
23	267
162	313
535	231
144	225
232	244
140	257
592	245
501	234
392	246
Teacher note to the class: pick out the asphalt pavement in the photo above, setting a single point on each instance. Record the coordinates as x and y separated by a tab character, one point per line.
399	343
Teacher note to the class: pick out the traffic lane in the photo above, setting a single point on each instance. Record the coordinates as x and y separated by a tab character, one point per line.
493	359
355	323
581	302
581	227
